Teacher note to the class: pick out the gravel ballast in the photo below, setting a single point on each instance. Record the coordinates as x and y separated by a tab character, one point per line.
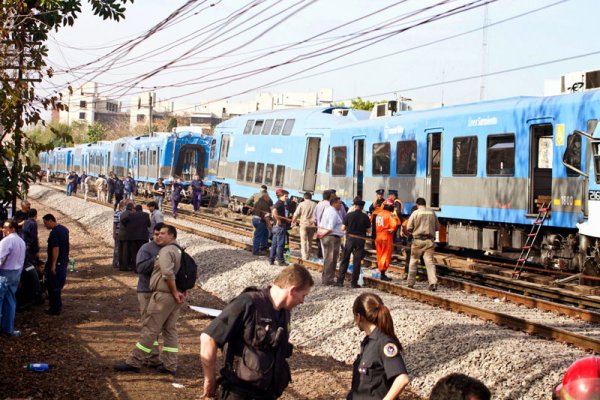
436	342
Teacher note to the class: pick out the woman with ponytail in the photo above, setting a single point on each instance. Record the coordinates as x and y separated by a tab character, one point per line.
379	371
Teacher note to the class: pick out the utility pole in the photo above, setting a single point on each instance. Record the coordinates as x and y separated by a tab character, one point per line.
151	106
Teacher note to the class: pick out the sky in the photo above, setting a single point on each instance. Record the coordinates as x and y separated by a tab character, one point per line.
376	49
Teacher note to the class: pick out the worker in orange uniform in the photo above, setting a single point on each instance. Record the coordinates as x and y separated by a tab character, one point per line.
386	224
374	209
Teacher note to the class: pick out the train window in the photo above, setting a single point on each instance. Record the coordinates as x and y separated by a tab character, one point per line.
277	127
224	148
248	127
250	172
269	174
464	156
213	148
260	170
241	170
267	127
406	157
287	128
279	175
572	154
381	158
545	155
338	167
501	155
257	127
327	159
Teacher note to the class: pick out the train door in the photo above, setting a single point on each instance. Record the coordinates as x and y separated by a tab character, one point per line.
108	163
434	158
224	152
540	189
310	164
359	166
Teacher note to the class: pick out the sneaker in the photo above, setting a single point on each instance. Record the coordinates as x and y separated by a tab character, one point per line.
161	368
385	278
271	262
124	367
433	288
282	263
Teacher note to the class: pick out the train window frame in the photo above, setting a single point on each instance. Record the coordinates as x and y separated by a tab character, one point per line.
491	160
241	171
288	127
213	148
279	175
571	151
259	172
379	158
277	126
250	171
258	125
269	176
408	167
470	161
339	160
268	125
248	127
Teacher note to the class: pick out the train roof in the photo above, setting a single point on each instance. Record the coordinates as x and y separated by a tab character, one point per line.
312	116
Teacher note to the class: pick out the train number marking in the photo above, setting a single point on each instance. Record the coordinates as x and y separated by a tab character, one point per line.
566	200
594	195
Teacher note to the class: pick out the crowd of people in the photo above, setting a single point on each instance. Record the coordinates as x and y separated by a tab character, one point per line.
24	277
342	230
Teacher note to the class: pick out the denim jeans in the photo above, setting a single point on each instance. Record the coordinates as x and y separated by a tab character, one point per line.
69	189
278	243
9	282
261	235
159	201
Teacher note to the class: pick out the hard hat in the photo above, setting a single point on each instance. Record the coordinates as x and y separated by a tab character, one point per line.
581	381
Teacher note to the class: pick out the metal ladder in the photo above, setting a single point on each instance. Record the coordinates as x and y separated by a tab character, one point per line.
531	237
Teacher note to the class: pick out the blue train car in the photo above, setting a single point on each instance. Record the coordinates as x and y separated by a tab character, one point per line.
58	162
282	148
487	167
165	155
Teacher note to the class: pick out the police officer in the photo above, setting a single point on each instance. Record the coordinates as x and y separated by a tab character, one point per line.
374	209
422	224
379	371
254	326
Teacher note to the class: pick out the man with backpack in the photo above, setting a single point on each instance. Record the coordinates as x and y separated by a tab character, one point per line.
164	306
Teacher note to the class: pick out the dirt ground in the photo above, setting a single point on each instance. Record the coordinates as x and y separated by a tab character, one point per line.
99	326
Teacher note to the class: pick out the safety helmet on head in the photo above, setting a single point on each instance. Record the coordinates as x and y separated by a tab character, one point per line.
581	381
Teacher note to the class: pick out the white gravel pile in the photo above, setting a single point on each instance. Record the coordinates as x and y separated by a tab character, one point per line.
436	342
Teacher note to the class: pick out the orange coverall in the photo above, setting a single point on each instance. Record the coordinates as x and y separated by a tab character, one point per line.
386	224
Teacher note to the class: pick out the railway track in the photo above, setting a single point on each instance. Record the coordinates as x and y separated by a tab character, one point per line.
568	324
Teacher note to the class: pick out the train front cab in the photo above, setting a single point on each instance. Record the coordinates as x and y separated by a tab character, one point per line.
589	229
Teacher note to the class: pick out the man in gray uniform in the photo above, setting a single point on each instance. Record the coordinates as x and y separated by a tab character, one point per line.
422	224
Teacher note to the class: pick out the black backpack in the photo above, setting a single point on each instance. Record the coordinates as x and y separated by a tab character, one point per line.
185	278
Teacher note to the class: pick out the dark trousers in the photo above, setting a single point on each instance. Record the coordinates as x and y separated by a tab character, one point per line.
128	250
229	393
118	198
133	248
196	200
55	283
356	248
111	193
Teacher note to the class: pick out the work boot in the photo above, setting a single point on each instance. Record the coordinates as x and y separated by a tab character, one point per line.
124	367
433	287
163	370
384	277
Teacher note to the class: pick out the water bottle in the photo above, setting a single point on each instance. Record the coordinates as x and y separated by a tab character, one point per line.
37	367
376	275
361	278
72	264
287	256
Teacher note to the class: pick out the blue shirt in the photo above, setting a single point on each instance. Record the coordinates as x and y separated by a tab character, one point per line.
59	237
12	252
331	220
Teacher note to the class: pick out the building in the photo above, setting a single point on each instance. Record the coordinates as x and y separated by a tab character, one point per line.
572	82
85	105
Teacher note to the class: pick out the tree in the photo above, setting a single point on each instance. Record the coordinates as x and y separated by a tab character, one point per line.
95	132
172	124
24	29
360	104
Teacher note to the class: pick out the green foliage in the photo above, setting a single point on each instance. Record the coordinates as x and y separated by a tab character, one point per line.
24	29
96	132
360	104
172	124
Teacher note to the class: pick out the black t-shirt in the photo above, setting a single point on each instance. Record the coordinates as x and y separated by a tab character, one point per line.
21	216
229	325
59	237
280	207
357	223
